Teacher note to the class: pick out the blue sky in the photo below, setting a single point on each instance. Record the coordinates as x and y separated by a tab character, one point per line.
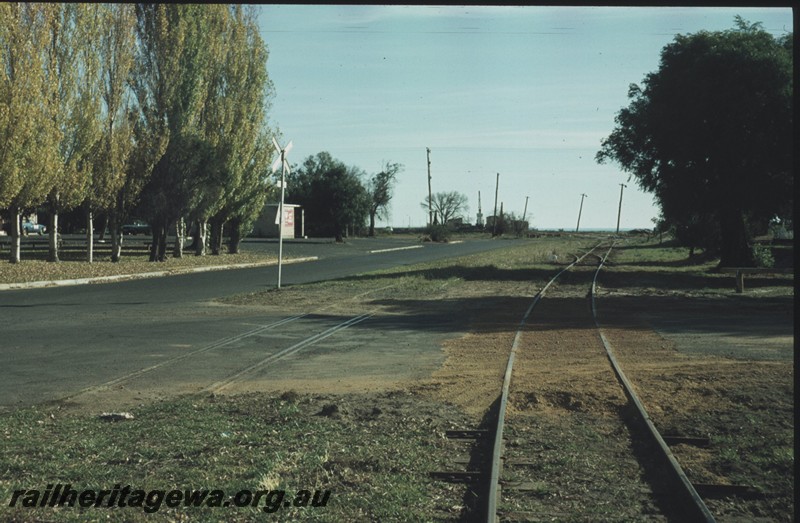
527	92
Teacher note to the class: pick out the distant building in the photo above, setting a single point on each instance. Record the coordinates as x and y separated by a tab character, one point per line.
266	226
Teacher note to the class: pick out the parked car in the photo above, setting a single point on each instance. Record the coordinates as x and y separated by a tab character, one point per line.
29	227
137	227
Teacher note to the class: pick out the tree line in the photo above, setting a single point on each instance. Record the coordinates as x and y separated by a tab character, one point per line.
152	110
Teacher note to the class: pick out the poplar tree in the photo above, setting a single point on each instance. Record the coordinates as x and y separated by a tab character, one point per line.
245	203
237	127
67	37
29	137
115	46
161	31
171	86
206	184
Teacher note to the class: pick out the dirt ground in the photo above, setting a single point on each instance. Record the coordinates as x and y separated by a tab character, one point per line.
732	382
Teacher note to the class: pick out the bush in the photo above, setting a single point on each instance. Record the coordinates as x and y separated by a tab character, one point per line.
438	233
762	255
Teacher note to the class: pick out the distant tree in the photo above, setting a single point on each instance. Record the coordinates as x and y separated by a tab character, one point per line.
660	226
447	205
697	231
516	224
710	134
331	193
379	189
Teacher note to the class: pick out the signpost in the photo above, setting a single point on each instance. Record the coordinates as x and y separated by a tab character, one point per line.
284	165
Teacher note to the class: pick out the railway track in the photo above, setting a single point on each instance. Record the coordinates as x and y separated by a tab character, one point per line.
604	433
314	326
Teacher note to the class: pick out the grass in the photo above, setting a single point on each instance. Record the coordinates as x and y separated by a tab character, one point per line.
374	462
29	270
527	261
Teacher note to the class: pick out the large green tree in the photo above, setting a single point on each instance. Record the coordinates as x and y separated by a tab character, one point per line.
331	193
710	135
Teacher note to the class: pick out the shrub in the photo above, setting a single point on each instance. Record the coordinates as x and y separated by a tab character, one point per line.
438	233
762	255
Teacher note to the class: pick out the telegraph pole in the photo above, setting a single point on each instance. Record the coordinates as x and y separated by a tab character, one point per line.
430	195
494	223
619	212
479	222
583	195
525	212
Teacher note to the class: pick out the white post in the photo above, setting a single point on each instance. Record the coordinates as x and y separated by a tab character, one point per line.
284	167
280	223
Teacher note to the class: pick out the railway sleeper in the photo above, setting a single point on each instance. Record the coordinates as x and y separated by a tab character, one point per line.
467	434
687	440
536	487
716	491
471	461
458	476
532	517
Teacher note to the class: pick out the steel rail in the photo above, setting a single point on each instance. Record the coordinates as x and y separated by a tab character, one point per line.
694	503
214	345
497	450
211	346
311	340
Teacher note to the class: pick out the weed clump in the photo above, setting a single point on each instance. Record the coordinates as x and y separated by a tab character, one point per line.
437	233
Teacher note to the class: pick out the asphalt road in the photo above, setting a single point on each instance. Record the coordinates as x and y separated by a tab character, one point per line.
56	342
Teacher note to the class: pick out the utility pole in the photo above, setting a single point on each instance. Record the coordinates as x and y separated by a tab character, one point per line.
494	223
430	195
583	195
479	222
525	212
619	212
501	217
